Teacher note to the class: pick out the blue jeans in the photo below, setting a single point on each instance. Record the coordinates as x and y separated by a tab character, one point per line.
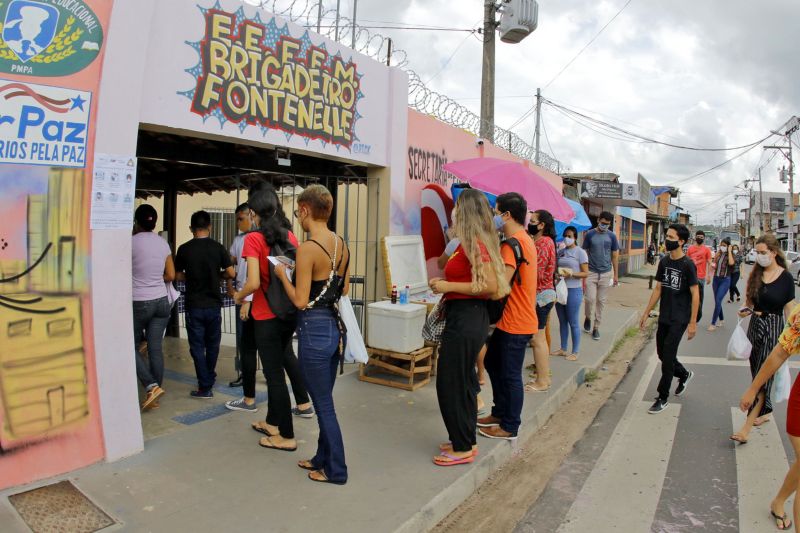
204	330
721	287
568	319
150	319
318	354
504	358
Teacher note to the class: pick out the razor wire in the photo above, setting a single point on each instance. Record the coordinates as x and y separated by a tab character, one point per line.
311	13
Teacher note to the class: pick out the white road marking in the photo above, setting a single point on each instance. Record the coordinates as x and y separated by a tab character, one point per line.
723	362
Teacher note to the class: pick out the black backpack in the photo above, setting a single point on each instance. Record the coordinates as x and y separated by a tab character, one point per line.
276	295
496	307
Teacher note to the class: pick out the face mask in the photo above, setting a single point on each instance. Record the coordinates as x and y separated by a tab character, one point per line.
735	251
671	245
498	222
723	249
764	260
602	227
699	240
569	241
533	229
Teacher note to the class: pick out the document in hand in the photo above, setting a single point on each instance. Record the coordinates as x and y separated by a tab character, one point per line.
282	259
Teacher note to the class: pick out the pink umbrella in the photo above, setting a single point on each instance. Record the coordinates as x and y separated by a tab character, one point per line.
497	176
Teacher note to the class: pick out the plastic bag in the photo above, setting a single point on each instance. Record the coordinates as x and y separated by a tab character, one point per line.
355	351
782	384
562	293
739	346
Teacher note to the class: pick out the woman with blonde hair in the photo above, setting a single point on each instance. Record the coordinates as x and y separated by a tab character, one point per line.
321	277
768	298
474	273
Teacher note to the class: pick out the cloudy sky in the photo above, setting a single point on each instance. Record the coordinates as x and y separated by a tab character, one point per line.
708	74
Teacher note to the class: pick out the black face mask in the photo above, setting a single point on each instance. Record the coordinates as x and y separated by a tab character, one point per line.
699	240
671	245
533	229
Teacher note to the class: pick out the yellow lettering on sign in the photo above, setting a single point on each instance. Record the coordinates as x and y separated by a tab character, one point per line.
290	110
238	91
252	37
316	59
270	80
221	27
258	103
239	61
288	49
287	79
209	93
218	59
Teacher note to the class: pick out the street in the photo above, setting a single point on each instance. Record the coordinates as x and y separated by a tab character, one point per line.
675	471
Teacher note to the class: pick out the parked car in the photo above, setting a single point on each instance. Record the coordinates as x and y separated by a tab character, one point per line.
793	258
750	257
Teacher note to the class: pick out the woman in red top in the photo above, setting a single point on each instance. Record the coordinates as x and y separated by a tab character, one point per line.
474	273
273	335
542	229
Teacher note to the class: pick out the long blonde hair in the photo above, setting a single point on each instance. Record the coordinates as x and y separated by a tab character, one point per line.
473	224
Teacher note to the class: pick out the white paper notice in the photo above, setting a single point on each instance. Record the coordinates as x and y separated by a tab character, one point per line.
113	191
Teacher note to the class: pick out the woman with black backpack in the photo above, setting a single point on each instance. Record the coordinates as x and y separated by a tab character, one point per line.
272	331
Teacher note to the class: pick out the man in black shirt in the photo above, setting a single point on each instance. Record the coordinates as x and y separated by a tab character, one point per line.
202	263
676	286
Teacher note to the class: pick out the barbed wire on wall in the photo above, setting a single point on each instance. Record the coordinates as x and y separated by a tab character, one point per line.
307	13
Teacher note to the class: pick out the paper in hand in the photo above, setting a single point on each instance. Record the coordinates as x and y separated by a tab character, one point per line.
283	260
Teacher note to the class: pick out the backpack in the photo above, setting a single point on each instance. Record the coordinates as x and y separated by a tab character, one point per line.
276	295
496	307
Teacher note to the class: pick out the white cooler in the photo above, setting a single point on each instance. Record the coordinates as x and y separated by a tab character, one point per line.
395	327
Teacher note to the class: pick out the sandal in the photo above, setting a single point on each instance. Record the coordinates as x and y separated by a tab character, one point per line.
738	438
266	442
452	460
572	357
307	465
445	446
531	387
784	520
322	478
757	423
559	353
261	427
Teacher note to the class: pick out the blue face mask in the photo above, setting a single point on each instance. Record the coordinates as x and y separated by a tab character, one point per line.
498	222
602	227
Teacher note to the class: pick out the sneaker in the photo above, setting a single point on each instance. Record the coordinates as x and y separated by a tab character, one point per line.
202	394
658	406
241	405
596	334
152	397
237	383
587	325
496	432
303	413
681	388
488	421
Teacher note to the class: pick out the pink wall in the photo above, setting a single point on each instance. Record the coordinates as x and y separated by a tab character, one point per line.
431	144
70	436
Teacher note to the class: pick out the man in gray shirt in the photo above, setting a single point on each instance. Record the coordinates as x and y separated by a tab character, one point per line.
244	224
602	248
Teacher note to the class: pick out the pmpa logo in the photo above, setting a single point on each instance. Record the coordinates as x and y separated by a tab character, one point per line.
48	38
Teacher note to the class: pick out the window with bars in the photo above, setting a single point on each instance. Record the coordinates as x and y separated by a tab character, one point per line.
223	226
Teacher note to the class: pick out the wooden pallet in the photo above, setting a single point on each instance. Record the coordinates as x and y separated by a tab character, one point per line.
407	371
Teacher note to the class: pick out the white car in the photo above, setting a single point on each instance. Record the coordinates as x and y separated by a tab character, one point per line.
793	259
750	258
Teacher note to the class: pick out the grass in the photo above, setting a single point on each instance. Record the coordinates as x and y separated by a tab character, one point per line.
590	376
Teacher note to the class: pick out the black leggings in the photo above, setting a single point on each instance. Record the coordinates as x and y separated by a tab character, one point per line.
465	330
734	289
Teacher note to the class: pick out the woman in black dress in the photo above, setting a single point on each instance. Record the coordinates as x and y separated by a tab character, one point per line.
769	298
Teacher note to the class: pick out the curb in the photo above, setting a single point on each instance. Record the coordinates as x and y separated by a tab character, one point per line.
449	499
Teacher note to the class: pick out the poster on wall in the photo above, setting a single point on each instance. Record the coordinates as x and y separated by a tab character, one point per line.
113	191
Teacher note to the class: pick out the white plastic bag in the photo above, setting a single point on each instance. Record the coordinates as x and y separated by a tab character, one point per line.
355	351
782	384
739	346
562	293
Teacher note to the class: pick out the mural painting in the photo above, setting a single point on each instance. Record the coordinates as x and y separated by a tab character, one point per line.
49	412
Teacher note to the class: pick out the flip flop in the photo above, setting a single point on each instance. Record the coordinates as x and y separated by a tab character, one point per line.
558	353
272	446
785	519
262	430
757	423
443	447
736	438
571	357
307	465
453	460
531	387
324	478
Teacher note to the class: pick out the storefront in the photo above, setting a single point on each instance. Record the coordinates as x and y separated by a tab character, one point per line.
96	94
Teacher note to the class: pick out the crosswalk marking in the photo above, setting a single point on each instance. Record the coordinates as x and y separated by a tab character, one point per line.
761	465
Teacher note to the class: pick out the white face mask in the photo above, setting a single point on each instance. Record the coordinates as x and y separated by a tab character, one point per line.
723	249
569	241
764	260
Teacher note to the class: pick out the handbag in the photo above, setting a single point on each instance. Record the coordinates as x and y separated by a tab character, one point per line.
434	323
355	351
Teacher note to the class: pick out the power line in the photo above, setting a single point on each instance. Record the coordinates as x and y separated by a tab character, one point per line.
587	44
446	63
546	138
417	28
715	167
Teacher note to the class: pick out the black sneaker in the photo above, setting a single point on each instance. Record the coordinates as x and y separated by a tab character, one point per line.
658	406
303	413
237	383
587	325
681	388
202	394
596	334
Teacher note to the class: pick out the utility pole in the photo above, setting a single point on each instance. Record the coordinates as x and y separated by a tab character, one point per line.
336	31
787	153
761	201
487	71
353	37
538	123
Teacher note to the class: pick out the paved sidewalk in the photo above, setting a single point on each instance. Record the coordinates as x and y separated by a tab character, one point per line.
213	475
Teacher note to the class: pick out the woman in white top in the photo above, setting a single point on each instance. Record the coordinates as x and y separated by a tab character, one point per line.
152	266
